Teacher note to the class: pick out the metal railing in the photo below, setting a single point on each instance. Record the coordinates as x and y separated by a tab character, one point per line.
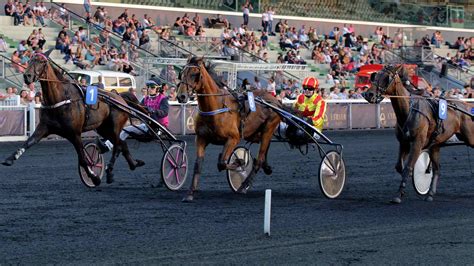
10	74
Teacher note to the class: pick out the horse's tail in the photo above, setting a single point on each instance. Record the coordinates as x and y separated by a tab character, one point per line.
132	101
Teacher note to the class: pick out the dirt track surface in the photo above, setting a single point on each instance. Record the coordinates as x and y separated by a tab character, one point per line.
48	216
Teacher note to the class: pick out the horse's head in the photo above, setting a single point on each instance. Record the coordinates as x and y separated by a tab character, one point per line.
37	67
190	79
383	83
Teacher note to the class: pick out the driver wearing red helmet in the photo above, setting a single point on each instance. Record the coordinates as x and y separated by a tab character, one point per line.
310	103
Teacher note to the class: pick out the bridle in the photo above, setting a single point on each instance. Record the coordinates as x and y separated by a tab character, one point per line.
380	90
39	71
192	88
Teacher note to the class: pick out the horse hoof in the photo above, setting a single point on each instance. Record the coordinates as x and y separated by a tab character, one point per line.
267	170
95	180
396	200
188	199
8	162
429	198
221	166
110	178
138	163
242	190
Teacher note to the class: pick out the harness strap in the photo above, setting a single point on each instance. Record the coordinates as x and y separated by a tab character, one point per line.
215	112
59	104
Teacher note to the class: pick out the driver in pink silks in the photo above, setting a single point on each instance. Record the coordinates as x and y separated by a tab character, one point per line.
156	102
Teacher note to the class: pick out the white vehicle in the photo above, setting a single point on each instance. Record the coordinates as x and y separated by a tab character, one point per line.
112	80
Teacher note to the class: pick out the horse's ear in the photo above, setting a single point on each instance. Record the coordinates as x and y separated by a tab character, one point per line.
47	53
190	56
372	76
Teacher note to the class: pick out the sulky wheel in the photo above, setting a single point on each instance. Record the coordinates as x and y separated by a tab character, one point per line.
423	173
174	167
95	160
243	161
332	174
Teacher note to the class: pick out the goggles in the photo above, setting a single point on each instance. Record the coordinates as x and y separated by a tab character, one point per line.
153	86
308	89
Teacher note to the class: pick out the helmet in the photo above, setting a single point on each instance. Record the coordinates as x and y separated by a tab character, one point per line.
151	83
310	82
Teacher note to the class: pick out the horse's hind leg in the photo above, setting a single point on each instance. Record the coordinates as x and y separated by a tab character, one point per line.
132	164
262	154
79	146
407	173
110	165
403	149
434	156
40	132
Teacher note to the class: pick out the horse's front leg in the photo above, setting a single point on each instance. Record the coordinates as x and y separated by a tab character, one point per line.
40	132
407	173
434	156
201	145
81	155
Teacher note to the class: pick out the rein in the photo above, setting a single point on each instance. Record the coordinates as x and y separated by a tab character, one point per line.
225	109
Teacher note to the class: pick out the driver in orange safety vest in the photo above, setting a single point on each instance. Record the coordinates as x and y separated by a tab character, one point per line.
310	103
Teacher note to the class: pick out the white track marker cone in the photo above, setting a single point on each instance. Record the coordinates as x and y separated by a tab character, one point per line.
268	211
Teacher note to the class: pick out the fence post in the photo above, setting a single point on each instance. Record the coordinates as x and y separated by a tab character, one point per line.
377	114
32	114
183	118
350	115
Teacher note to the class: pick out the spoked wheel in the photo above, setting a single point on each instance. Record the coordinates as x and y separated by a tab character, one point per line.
95	160
174	167
241	158
332	174
423	173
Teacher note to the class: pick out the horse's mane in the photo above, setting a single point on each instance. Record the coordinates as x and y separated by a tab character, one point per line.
132	100
210	68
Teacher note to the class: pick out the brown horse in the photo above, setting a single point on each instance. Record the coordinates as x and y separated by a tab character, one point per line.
219	121
418	126
64	113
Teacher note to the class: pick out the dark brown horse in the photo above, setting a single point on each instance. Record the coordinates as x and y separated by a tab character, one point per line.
418	126
64	113
219	121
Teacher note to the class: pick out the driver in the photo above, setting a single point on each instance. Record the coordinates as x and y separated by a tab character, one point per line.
156	102
311	104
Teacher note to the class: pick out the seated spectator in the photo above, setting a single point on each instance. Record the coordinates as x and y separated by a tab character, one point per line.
169	74
165	34
24	99
91	55
29	16
41	38
126	64
18	14
9	8
119	26
78	59
218	22
178	25
172	93
3	45
197	20
38	98
104	56
40	11
99	16
16	62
